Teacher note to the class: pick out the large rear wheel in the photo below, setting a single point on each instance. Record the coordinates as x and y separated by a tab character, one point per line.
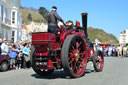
74	56
98	61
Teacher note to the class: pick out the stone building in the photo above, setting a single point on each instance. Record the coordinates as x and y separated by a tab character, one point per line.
28	29
123	37
10	20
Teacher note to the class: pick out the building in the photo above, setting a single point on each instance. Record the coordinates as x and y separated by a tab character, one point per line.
10	20
123	37
27	29
24	32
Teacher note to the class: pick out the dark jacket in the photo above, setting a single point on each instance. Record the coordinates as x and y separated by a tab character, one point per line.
0	48
53	17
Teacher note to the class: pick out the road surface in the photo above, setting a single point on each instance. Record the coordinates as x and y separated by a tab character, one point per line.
115	72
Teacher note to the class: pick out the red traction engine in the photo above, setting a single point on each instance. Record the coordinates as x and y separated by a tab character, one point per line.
69	49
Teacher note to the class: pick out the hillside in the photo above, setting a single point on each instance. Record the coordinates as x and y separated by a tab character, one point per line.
95	33
36	17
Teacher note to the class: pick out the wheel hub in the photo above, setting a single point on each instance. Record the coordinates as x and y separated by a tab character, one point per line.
77	56
4	66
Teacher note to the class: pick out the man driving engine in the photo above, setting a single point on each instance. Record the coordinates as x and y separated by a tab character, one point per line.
53	17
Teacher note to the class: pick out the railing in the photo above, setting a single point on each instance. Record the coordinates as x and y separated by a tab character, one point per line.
7	21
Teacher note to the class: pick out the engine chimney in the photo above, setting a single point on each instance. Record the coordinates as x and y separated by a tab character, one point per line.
84	23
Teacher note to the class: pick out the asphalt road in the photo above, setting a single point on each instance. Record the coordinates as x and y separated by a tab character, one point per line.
115	72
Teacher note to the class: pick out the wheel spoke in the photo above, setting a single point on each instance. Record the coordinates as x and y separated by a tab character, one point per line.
79	66
71	61
73	47
73	43
98	59
77	45
82	53
71	55
73	67
77	69
98	65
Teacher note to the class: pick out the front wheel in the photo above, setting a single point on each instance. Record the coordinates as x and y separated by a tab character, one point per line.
98	61
74	56
4	66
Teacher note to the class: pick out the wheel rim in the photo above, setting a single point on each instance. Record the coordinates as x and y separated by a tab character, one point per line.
4	66
99	61
77	56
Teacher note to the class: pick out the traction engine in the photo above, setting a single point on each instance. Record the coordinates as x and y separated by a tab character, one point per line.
68	49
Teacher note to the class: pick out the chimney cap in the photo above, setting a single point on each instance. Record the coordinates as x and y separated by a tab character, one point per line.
84	13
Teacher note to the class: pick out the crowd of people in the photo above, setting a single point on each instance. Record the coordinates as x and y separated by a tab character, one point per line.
115	50
18	53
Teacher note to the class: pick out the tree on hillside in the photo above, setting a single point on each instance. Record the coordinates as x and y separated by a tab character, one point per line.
101	35
29	18
44	12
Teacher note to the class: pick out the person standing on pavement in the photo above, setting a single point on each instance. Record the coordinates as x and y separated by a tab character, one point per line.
4	48
12	55
53	17
0	46
26	53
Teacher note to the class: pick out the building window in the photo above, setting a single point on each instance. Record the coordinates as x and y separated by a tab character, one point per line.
15	3
124	35
13	35
2	12
2	35
6	13
6	34
13	17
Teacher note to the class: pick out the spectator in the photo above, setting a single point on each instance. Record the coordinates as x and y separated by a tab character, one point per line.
20	55
0	46
20	45
4	48
119	49
19	60
17	45
98	48
124	50
127	51
13	53
26	53
97	42
110	51
113	51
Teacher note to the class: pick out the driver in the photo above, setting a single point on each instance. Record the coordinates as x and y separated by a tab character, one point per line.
52	20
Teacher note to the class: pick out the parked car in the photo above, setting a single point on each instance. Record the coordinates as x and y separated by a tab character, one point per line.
4	62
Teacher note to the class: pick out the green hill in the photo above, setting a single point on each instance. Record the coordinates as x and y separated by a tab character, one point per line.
36	17
95	33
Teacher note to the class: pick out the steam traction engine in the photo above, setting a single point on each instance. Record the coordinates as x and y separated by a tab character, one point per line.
69	49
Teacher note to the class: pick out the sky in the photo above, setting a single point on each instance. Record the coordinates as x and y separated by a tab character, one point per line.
108	15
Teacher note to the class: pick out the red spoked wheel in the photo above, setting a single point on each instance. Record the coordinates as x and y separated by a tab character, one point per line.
98	61
74	56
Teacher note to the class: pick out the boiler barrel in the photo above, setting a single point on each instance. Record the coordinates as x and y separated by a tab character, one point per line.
84	23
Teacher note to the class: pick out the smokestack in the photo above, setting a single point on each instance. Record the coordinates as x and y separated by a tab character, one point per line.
84	23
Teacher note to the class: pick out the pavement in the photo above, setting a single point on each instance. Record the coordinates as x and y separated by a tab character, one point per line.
115	72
